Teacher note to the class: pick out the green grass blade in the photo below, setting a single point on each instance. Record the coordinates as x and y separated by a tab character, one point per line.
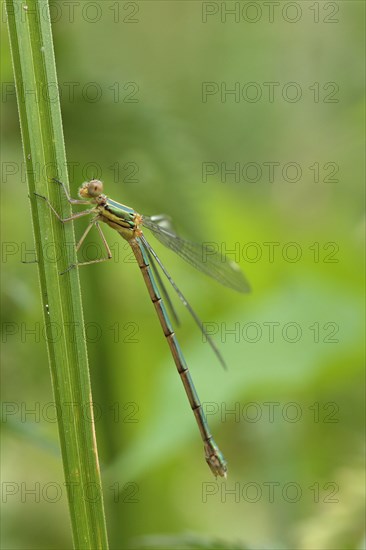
43	145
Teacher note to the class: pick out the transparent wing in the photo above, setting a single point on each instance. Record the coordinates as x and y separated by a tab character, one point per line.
203	256
152	254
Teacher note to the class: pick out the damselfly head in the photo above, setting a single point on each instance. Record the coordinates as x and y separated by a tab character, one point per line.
91	189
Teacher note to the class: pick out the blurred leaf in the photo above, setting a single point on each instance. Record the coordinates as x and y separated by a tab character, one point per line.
275	365
185	542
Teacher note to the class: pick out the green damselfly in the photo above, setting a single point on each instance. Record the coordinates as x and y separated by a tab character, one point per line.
129	224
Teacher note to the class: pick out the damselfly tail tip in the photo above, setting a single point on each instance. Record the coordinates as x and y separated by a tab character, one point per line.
215	459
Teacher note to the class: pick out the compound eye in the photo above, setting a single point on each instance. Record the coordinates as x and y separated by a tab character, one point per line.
95	188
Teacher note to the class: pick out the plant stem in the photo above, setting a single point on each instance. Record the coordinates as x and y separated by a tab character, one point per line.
44	152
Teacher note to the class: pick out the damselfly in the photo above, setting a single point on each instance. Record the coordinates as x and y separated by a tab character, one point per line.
129	224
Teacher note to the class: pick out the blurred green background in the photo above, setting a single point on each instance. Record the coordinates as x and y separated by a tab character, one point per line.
131	76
